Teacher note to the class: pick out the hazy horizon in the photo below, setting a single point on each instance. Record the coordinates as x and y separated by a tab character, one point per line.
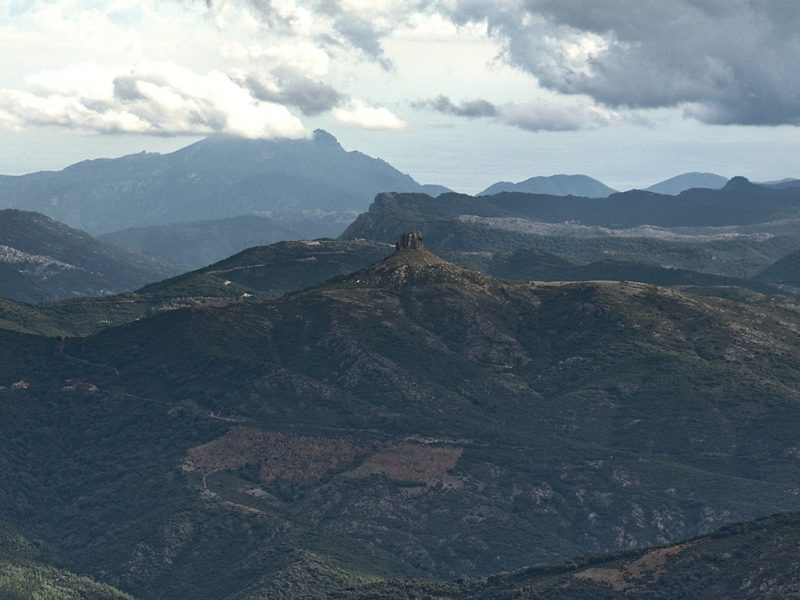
473	182
625	93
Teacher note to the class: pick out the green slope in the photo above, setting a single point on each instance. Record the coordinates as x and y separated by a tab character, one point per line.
412	419
273	270
259	272
25	576
784	272
44	260
756	559
537	265
195	244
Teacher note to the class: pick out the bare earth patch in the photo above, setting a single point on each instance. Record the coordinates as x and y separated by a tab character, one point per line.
408	462
308	459
279	456
647	569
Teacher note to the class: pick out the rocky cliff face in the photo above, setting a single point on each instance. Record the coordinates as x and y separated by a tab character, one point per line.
410	240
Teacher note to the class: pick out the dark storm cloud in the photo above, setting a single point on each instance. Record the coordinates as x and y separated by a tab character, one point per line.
725	62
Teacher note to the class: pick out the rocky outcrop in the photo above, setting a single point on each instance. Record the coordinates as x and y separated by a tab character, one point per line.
410	240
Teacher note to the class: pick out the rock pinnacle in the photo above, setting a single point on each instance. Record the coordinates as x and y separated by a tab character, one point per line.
410	240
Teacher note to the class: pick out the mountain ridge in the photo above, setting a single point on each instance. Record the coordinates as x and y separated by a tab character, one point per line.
556	185
214	178
740	561
686	181
44	260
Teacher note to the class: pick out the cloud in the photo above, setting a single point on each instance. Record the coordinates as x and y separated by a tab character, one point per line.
334	24
155	98
361	34
718	61
364	24
470	108
360	114
724	62
538	116
311	96
530	116
721	61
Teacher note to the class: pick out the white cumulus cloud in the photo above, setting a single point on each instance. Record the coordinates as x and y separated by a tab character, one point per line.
152	98
358	113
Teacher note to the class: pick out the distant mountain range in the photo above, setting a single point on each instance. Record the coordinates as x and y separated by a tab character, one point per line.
583	185
736	232
43	260
196	244
785	183
680	183
272	271
312	180
554	185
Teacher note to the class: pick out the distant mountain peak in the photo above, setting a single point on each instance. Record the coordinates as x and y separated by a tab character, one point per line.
555	185
409	252
323	137
739	183
294	181
686	181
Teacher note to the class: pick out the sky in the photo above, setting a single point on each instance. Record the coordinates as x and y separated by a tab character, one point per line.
457	92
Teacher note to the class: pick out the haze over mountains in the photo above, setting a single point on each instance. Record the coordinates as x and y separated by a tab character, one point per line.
268	365
41	259
204	202
583	185
680	183
304	183
554	185
195	244
563	375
